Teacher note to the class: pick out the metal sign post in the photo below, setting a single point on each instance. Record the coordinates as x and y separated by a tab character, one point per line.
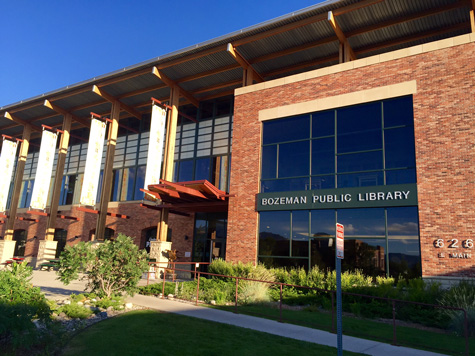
340	239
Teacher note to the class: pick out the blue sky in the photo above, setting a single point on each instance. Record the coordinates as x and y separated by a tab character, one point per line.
49	44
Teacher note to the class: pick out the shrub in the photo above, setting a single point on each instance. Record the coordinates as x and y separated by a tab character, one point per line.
110	268
256	292
460	296
115	301
75	311
20	303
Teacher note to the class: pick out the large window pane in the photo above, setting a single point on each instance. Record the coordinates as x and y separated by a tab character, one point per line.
139	183
366	179
399	147
202	169
323	123
356	162
363	222
323	182
289	129
185	171
398	112
269	162
274	233
368	255
294	159
300	233
322	223
401	176
285	185
323	156
359	128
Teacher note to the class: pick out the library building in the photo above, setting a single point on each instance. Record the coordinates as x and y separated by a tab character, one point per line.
252	146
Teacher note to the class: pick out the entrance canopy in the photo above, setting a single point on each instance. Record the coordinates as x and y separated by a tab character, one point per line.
193	196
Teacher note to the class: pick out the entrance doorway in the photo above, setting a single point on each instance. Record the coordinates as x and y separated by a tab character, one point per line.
60	235
209	241
20	237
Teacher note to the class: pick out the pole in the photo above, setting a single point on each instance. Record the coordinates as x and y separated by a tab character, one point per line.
339	330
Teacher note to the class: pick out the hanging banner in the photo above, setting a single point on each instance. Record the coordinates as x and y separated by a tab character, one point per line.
44	170
93	163
155	146
7	161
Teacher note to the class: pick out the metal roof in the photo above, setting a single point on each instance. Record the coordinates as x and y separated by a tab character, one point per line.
290	44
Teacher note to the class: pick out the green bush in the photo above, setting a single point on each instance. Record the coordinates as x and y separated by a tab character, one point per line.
20	303
115	301
111	267
460	296
156	288
75	311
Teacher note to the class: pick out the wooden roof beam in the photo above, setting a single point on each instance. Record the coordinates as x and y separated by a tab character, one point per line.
341	37
472	16
243	62
63	112
142	91
305	22
110	98
208	73
412	17
160	75
13	118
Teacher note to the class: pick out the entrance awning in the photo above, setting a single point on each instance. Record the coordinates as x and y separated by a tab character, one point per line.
194	196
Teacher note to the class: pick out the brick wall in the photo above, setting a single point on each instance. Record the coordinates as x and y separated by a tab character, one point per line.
140	220
444	124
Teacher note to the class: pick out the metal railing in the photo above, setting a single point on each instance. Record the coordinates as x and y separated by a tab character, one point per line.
197	274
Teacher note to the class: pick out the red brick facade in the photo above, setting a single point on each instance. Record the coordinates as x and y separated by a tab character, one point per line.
140	220
444	124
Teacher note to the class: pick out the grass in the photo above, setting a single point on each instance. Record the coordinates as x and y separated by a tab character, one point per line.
152	333
365	328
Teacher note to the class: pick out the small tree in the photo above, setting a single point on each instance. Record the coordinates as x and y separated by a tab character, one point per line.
109	268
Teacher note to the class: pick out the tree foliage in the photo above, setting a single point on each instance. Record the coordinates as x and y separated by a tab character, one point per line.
111	267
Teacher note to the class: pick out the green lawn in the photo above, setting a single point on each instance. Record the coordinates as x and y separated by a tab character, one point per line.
365	328
152	333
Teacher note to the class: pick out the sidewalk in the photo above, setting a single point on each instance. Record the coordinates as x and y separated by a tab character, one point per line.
55	289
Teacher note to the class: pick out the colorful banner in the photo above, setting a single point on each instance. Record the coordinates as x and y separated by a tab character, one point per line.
92	170
7	161
155	146
44	170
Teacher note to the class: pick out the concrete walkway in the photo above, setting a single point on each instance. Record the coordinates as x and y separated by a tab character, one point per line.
54	289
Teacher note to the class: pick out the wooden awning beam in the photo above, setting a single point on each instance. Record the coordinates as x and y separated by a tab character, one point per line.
13	118
182	189
208	73
63	112
243	62
160	75
341	36
102	93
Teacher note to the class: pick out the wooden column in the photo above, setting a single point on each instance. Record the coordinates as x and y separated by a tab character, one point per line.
169	158
20	168
107	175
58	177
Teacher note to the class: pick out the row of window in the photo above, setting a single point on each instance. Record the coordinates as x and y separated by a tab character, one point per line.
202	151
375	239
364	145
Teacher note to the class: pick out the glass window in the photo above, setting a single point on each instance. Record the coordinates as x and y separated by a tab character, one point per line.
401	176
363	222
323	156
274	233
364	161
283	185
185	173
139	183
294	159
322	223
202	169
288	129
359	128
398	112
365	179
323	123
300	233
368	255
269	162
399	147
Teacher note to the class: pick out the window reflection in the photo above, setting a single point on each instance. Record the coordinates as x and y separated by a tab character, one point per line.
274	233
